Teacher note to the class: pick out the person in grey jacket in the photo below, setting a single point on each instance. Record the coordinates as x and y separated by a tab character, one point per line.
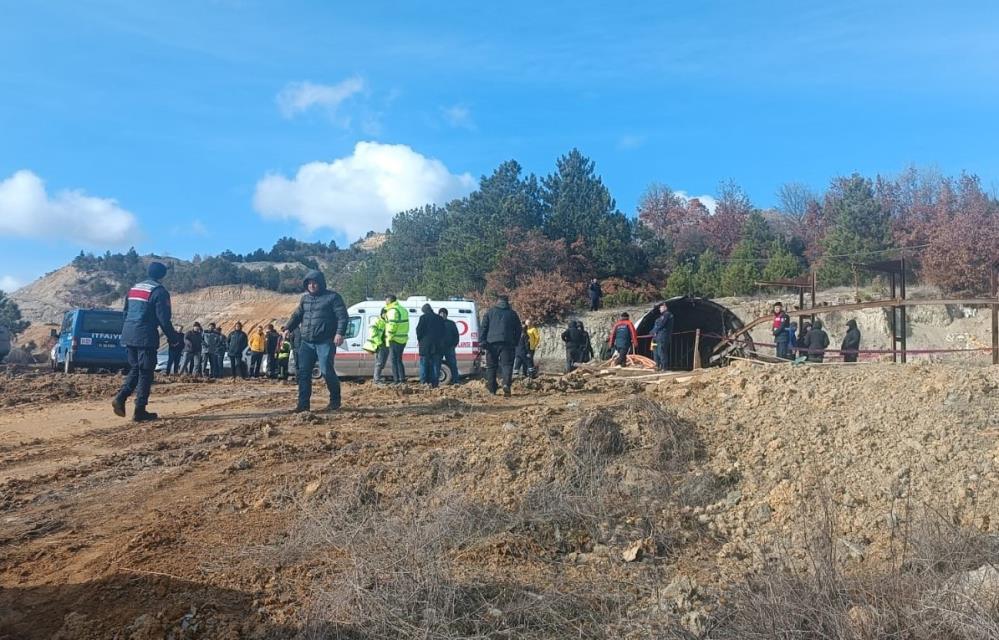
321	318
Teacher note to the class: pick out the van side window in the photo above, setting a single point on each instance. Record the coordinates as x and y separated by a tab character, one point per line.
353	327
67	323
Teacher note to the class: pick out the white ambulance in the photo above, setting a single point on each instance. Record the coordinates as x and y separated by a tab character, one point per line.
353	360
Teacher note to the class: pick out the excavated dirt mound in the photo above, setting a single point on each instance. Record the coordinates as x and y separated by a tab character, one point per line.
579	507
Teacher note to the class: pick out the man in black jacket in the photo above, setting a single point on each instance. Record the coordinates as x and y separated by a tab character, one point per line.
575	345
175	354
236	347
192	350
851	342
270	348
430	335
451	339
499	333
595	294
147	309
817	342
321	317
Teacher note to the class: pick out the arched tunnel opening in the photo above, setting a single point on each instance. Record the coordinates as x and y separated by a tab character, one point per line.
689	315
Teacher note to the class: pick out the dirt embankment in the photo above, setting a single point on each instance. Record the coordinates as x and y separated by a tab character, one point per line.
578	507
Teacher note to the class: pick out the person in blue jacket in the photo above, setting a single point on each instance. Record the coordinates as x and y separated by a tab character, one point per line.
147	310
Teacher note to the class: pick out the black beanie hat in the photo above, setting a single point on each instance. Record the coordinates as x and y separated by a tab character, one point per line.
156	270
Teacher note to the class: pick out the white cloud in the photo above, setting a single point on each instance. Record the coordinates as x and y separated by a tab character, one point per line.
459	116
26	210
630	141
708	201
9	283
298	97
361	192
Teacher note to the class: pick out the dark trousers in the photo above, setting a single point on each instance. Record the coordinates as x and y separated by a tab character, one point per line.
309	353
499	356
571	358
451	360
192	363
381	359
850	357
173	360
594	303
622	353
256	357
282	368
430	372
523	363
141	364
784	349
661	353
398	368
238	365
272	367
214	364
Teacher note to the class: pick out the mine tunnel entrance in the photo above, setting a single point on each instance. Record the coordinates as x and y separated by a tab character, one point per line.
690	314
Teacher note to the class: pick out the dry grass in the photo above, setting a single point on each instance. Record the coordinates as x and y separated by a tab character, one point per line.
940	584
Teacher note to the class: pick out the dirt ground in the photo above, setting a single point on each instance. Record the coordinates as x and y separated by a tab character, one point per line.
191	527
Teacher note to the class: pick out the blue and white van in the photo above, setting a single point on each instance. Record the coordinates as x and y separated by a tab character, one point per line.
89	339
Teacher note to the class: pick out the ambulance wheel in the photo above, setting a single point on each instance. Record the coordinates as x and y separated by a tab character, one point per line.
316	374
447	376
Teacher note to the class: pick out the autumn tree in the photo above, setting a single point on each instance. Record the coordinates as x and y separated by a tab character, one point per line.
723	228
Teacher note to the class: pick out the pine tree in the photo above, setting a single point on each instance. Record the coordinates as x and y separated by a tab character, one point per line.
10	315
860	229
782	263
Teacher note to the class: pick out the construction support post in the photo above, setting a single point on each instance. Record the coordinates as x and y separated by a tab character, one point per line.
995	315
697	364
902	311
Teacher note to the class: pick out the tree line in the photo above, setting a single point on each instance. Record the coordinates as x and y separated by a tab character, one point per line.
540	239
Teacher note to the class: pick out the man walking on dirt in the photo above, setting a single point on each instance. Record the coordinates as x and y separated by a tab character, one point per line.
499	333
147	309
321	317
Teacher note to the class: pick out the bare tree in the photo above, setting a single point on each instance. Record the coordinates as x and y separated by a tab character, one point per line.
795	198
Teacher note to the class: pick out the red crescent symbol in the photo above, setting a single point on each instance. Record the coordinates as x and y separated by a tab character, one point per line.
462	327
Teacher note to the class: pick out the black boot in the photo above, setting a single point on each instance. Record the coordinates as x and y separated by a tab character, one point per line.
141	415
119	407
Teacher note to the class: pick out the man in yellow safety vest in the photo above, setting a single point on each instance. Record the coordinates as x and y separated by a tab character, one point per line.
396	336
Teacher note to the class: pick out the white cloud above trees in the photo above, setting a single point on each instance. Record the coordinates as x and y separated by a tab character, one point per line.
360	192
28	211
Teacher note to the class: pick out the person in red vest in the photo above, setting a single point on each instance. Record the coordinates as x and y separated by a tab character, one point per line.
623	338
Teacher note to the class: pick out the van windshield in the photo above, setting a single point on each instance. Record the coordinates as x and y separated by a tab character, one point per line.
102	323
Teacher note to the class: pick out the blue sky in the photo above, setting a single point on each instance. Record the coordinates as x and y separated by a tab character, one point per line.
197	126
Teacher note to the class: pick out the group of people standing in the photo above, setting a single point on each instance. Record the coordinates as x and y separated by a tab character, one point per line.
811	340
202	352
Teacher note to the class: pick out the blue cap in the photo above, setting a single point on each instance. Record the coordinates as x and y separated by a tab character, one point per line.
157	270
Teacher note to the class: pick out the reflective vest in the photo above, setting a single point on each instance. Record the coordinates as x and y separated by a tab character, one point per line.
396	324
376	339
284	350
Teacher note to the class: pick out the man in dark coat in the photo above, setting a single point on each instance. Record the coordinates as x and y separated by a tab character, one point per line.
499	333
175	354
272	338
817	342
236	347
193	340
851	342
451	340
147	310
212	339
574	345
662	335
321	317
595	293
430	335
